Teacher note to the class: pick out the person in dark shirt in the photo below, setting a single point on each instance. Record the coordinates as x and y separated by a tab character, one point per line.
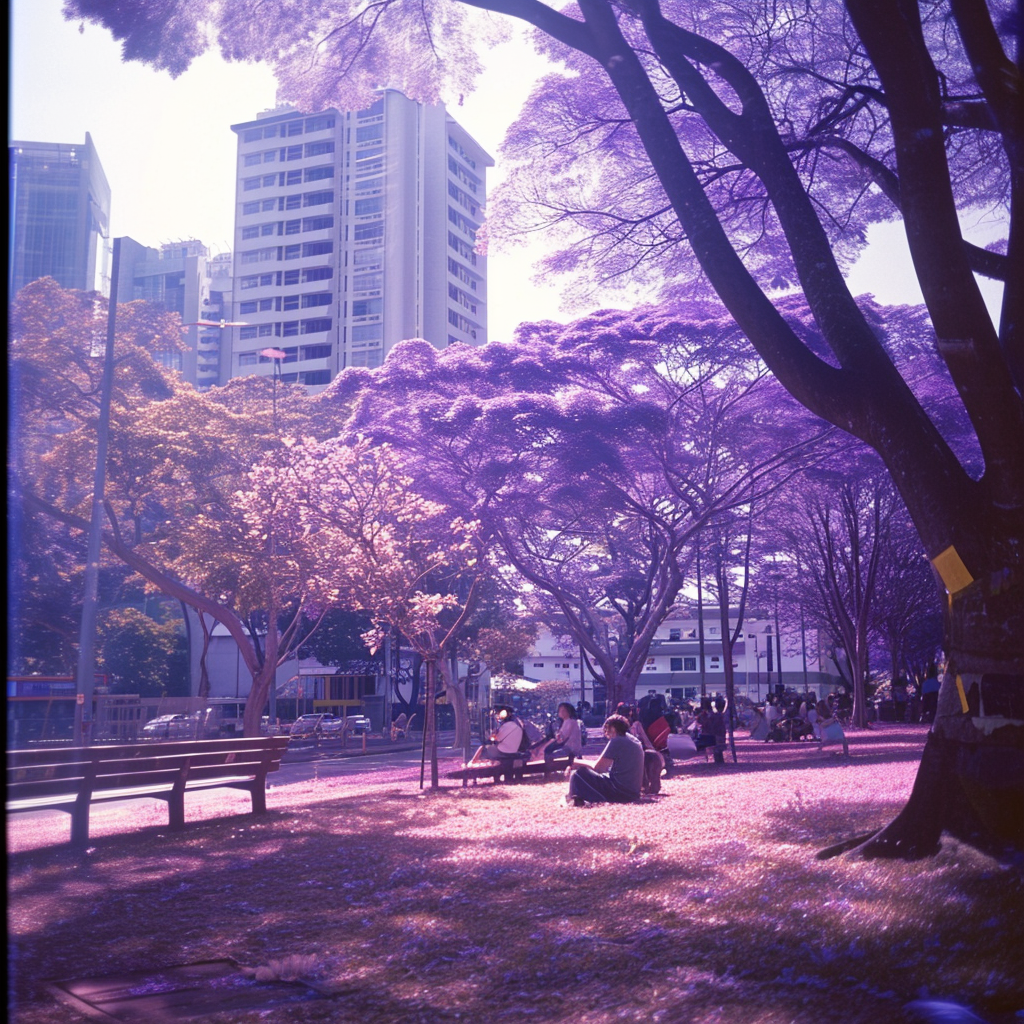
616	776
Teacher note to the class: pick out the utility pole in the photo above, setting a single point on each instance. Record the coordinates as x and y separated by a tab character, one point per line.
90	599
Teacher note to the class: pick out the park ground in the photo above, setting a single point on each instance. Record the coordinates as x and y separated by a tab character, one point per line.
497	903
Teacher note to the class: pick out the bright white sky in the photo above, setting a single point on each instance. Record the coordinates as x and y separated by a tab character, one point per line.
169	154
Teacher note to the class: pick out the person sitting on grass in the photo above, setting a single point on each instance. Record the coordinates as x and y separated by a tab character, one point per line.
830	729
616	776
505	740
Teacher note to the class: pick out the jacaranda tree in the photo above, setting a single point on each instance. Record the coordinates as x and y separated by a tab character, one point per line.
745	147
591	454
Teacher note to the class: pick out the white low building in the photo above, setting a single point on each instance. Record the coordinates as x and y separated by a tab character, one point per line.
673	665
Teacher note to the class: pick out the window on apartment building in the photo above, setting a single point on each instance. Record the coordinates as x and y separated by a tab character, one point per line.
266	304
253	207
317	248
269	180
269	204
369	358
292	202
367	307
253	232
366	207
248	358
293	178
291	153
271	132
367	333
317	274
269	229
290	328
675	664
252	135
319	124
245	333
367	282
313	377
270	156
322	223
368	232
259	255
292	227
367	257
370	185
292	252
316	351
247	307
689	664
290	302
291	128
253	159
318	173
675	634
319	148
370	133
248	184
316	326
291	277
317	198
317	299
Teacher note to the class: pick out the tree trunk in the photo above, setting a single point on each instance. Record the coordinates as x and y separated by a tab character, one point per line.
261	683
430	725
457	698
971	780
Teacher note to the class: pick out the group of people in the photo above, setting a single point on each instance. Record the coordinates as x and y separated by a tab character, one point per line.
808	719
635	755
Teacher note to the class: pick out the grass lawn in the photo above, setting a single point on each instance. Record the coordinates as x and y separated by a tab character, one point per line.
495	903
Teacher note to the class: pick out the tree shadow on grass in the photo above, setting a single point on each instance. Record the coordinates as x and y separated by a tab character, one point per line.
423	908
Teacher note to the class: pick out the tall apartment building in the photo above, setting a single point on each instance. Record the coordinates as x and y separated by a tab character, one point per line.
183	278
353	232
60	216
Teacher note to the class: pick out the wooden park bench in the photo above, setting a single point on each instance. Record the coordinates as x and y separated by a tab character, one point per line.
512	769
73	778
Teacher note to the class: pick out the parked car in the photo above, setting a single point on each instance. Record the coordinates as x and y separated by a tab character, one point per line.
318	725
305	726
357	724
172	727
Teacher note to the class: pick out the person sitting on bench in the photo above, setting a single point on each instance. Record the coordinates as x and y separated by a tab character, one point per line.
618	773
505	741
568	738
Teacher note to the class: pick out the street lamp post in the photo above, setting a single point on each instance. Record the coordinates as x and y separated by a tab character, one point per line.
277	356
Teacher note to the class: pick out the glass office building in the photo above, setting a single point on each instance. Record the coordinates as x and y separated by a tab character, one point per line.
59	216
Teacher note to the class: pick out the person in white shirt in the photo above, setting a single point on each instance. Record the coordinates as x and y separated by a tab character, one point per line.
568	737
505	740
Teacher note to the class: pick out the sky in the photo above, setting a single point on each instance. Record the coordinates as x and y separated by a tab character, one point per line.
168	151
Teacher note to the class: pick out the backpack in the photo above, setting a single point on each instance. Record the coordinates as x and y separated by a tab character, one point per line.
525	741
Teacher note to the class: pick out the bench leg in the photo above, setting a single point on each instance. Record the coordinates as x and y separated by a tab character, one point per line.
259	795
80	821
176	802
80	812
